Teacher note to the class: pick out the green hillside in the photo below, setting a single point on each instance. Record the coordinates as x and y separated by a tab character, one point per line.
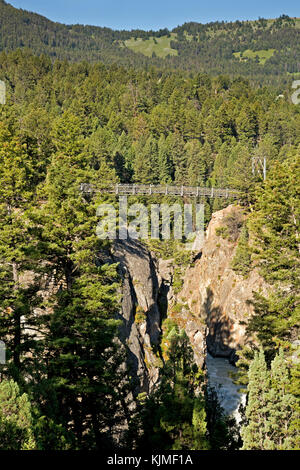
263	50
161	47
258	56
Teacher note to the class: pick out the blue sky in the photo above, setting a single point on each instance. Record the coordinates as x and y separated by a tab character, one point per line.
155	14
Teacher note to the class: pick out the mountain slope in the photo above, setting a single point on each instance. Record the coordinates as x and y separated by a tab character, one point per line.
265	50
19	29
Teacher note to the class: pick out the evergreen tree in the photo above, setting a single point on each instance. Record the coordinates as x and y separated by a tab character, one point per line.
239	173
165	169
179	158
271	408
254	434
174	416
219	177
275	228
18	179
16	422
247	125
196	164
281	407
145	168
79	320
241	262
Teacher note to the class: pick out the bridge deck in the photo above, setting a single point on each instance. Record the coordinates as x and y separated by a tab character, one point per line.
149	189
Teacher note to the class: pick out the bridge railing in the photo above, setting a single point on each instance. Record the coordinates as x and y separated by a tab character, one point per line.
149	189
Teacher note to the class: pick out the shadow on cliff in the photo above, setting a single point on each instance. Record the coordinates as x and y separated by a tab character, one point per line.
219	330
132	246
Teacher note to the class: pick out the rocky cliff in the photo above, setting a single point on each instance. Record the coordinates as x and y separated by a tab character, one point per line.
213	305
215	302
140	315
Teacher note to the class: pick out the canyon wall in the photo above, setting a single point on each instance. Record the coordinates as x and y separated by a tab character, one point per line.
140	316
216	301
213	305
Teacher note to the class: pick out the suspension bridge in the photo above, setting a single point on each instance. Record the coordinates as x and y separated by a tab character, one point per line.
150	189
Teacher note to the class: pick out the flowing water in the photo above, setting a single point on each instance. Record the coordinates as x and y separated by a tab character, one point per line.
218	370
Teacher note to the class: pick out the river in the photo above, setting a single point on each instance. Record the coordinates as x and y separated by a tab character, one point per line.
218	370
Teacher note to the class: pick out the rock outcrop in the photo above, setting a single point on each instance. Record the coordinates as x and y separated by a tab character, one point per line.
140	314
215	301
213	305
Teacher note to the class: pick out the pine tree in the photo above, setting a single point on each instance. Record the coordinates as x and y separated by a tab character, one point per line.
294	389
174	416
239	173
145	164
281	407
199	424
255	432
275	223
19	176
179	159
196	164
219	177
79	320
164	165
271	409
274	226
247	125
68	134
241	262
16	422
123	159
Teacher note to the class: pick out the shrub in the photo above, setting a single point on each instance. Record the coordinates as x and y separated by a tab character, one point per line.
140	315
234	223
241	262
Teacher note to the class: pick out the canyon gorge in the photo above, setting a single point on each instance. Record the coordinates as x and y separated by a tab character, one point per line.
212	305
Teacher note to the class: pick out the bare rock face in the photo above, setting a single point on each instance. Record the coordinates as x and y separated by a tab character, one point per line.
140	314
216	300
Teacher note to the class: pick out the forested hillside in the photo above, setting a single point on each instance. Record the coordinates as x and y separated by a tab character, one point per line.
148	127
64	385
266	51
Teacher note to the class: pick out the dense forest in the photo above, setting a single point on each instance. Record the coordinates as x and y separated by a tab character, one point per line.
64	385
266	51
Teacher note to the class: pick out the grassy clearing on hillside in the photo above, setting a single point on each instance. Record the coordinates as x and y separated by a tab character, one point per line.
262	55
160	46
188	37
